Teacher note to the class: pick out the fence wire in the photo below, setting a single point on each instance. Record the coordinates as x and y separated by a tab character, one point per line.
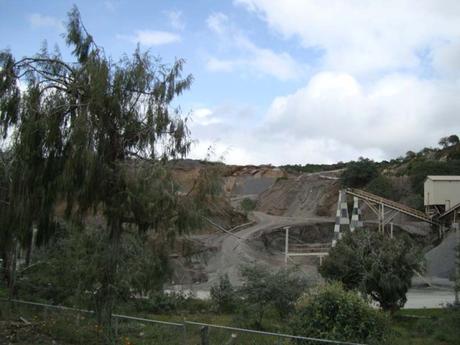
81	327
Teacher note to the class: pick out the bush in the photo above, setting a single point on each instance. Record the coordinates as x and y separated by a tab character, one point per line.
160	303
383	187
359	173
375	264
248	205
419	170
330	312
263	290
223	295
69	269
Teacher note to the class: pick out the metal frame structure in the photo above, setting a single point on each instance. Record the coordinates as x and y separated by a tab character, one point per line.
288	253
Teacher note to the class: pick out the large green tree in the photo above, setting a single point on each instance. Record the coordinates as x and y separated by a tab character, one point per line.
97	136
377	265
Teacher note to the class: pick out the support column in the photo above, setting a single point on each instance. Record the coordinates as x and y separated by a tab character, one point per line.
286	245
355	215
457	264
342	220
381	218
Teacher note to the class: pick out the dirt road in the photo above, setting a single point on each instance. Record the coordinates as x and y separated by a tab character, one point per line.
245	247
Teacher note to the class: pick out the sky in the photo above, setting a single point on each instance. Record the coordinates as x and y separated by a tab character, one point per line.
283	82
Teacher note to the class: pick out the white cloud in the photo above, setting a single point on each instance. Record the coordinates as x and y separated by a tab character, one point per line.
336	118
204	117
250	57
446	59
363	36
38	20
393	115
217	22
152	37
387	81
221	65
176	20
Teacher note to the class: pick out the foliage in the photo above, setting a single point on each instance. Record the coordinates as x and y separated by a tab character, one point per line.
263	290
419	170
427	326
96	135
451	140
311	168
415	201
359	173
375	264
223	295
248	205
330	312
142	269
382	186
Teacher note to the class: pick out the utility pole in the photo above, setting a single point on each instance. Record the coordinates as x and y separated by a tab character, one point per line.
286	245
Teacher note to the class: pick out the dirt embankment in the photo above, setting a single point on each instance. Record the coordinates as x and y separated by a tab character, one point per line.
307	195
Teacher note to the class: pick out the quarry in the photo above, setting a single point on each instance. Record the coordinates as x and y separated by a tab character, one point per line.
308	205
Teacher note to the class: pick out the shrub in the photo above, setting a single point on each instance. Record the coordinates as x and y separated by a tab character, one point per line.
375	264
263	290
248	205
359	173
330	312
69	269
419	170
383	187
161	303
223	295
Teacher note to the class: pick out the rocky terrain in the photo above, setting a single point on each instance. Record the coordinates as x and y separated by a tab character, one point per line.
305	201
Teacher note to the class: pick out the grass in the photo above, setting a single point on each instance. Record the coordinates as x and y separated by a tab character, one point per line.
427	327
410	326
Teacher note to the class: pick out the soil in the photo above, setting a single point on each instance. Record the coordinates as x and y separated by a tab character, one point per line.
20	333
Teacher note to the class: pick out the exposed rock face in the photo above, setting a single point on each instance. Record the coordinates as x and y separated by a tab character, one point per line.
250	181
307	195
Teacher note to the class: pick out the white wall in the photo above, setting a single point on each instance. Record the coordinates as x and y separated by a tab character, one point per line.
442	193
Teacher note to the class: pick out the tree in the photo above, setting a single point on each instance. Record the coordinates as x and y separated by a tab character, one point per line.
444	142
410	155
331	312
100	136
358	174
142	267
263	290
383	186
375	264
223	295
453	140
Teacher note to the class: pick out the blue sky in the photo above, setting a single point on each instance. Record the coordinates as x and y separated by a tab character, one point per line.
284	81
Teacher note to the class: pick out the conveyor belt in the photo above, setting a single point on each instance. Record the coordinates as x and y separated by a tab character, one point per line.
452	209
390	204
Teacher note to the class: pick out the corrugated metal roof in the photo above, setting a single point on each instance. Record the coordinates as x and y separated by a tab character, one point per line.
444	178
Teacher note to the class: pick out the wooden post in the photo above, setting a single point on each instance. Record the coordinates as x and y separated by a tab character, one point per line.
391	230
204	331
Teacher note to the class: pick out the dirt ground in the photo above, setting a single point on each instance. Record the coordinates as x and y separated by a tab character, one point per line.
20	333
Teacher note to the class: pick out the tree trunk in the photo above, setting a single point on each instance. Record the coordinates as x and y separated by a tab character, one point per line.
9	254
106	296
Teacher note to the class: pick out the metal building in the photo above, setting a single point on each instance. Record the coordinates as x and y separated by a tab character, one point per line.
441	194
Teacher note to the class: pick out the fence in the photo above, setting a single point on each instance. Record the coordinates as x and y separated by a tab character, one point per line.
61	322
